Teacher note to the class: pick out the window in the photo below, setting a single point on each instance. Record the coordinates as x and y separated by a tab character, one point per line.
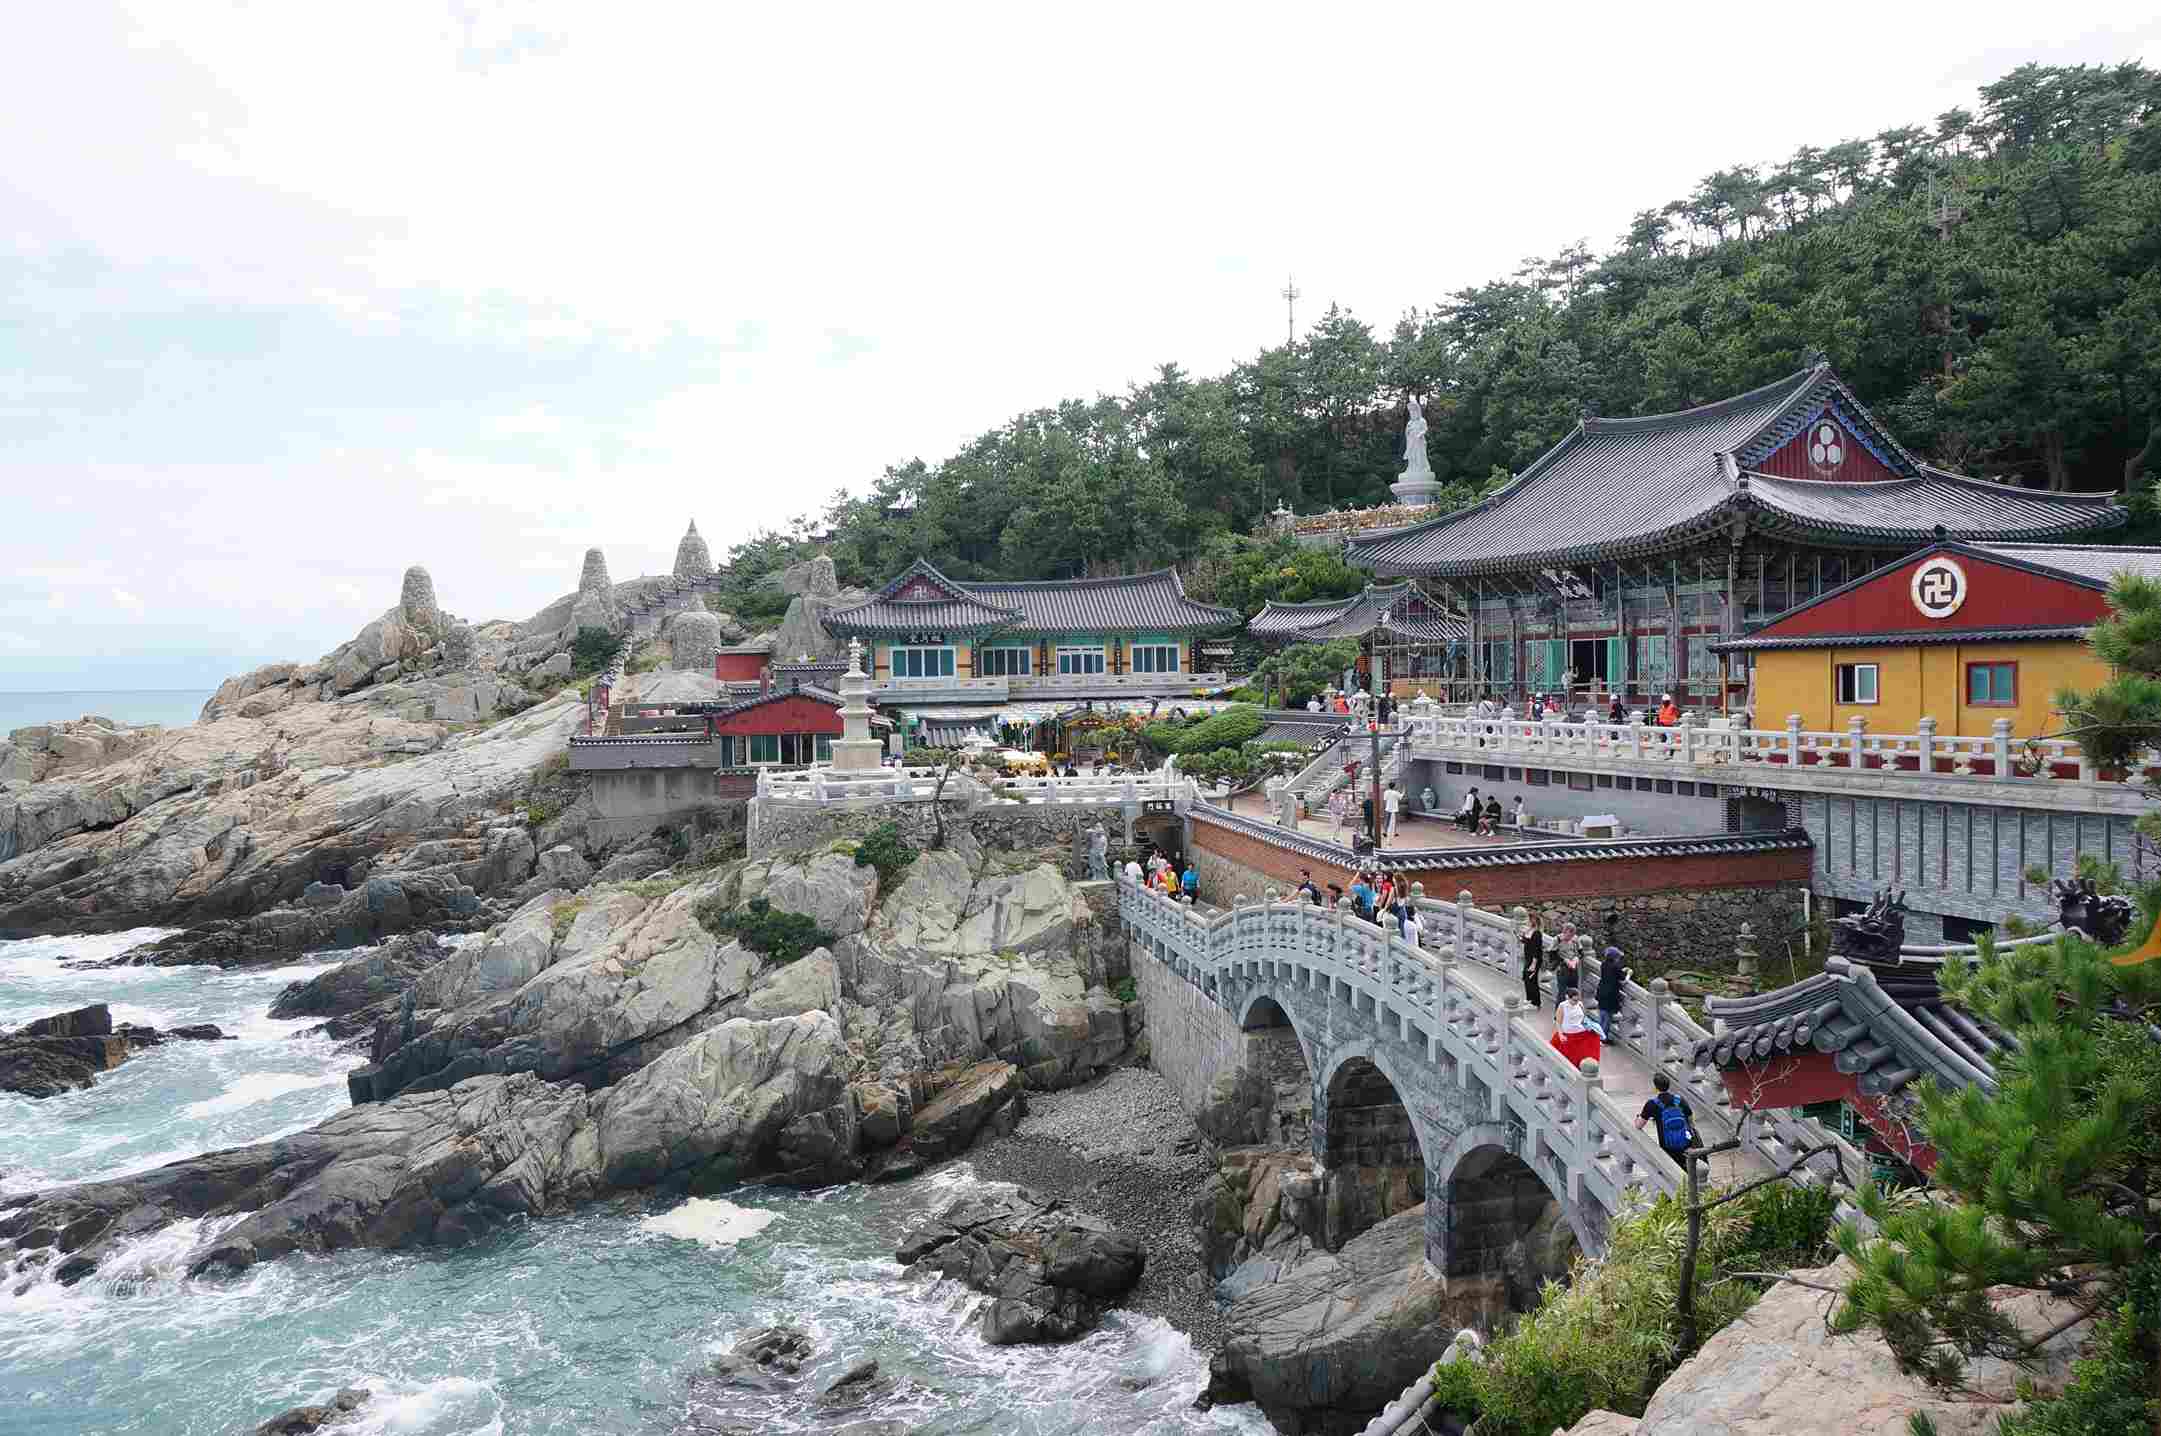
1686	790
1856	682
1992	685
922	662
1454	770
1515	775
825	748
765	747
1579	782
1536	777
1004	662
1080	660
1665	785
1606	780
1155	658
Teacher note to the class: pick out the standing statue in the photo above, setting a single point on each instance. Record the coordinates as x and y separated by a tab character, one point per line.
1414	442
1098	853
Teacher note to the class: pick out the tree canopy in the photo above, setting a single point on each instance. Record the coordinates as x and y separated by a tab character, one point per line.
1990	281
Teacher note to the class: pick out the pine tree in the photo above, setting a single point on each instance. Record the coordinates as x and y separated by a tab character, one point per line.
2048	1184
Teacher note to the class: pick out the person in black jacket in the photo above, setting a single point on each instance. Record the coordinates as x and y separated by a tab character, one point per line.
1610	977
1534	954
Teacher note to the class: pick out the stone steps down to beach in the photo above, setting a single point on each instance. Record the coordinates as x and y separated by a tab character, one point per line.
66	1051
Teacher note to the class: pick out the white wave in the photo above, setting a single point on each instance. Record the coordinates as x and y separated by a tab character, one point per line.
260	1087
451	1404
710	1221
82	947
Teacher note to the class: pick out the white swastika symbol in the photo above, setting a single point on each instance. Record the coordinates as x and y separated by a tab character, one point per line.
1939	587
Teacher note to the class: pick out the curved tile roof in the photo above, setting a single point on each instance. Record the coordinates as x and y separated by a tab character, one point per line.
1410	613
925	600
1627	487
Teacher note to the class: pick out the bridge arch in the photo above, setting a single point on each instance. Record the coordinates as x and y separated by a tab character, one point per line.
1368	1139
1492	1213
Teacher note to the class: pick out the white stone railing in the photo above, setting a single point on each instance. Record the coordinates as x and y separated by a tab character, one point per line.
980	687
1423	993
1999	757
821	784
1141	683
1116	788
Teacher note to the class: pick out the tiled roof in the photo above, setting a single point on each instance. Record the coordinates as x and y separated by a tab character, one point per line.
1500	855
1885	1024
925	600
1295	725
1151	602
1629	487
932	603
2091	564
1916	635
1409	612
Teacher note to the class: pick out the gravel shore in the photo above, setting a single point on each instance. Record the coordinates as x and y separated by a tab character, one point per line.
1121	1148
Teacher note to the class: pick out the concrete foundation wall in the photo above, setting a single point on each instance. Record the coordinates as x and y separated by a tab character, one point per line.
634	802
1191	1040
792	827
1667	811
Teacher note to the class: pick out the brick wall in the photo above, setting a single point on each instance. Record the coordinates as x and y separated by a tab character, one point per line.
1665	913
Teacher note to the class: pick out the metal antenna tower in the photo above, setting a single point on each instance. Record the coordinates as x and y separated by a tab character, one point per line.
1290	311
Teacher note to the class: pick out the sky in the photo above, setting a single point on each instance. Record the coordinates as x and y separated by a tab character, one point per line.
293	295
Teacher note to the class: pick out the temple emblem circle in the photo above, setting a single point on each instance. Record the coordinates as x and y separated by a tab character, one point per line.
1939	587
1827	447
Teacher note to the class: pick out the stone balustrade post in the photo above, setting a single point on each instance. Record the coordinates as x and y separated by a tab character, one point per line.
1926	729
1635	735
1463	923
1686	733
2000	741
2086	770
1655	1028
1856	731
1793	739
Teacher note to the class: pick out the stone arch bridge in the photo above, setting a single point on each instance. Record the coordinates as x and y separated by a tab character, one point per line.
1428	1061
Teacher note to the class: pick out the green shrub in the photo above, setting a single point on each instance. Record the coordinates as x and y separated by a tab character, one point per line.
1164	735
543	808
1125	991
1607	1339
563	914
1229	729
589	650
782	936
886	850
2110	1388
926	757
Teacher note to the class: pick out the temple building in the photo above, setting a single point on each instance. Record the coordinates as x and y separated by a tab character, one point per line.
1621	558
1964	634
1412	639
1017	653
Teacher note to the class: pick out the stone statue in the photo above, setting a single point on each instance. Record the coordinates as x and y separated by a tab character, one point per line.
2080	907
1874	935
1416	486
1098	853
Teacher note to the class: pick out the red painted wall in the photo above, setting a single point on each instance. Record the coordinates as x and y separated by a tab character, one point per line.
792	714
1798	1079
738	667
1797	458
1996	597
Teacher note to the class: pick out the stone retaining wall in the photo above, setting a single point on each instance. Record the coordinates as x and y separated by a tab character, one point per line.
778	827
1191	1040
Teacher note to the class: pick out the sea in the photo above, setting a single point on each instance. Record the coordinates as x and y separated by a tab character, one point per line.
171	706
604	1322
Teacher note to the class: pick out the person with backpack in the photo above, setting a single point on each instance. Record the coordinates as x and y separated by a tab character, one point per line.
1676	1125
1191	882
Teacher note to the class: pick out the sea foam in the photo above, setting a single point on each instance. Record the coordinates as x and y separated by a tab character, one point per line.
710	1221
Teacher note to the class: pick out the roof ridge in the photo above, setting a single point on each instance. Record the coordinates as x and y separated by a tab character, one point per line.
1717	406
1931	471
1154	573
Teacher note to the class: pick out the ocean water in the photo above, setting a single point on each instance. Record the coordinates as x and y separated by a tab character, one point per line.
605	1321
173	707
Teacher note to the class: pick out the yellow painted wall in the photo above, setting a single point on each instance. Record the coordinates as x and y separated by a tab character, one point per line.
1922	680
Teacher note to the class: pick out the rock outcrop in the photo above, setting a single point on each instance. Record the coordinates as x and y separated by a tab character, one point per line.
1051	1272
365	988
1336	1335
302	1420
43	751
694	639
66	1051
1778	1369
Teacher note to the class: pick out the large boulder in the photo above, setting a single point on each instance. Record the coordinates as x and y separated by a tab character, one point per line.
1778	1369
987	1096
1051	1270
341	1409
1339	1334
809	984
365	988
417	608
694	638
831	889
692	558
813	576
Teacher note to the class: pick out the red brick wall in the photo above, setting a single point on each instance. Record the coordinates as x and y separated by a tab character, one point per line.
1528	882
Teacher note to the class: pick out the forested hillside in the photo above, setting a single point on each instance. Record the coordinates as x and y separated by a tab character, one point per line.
1990	281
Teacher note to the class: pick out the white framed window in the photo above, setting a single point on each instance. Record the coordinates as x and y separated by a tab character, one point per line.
765	747
1005	662
1155	658
1856	682
921	662
1080	660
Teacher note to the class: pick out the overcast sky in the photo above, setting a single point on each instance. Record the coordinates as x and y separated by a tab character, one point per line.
293	295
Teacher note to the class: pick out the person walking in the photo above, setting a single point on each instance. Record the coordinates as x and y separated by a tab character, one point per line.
1414	932
1610	977
1467	815
1392	802
1191	882
1568	973
1362	897
1515	815
1676	1122
1618	713
1534	955
1669	713
1307	892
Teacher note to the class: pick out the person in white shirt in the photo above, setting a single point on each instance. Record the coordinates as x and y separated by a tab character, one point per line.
1313	705
1133	870
1392	804
1516	816
1413	930
1569	1019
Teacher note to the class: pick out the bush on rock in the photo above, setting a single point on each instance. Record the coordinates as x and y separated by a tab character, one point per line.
886	850
764	929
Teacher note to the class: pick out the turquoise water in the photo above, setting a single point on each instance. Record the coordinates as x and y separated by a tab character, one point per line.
601	1322
171	706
